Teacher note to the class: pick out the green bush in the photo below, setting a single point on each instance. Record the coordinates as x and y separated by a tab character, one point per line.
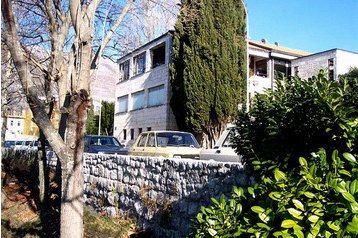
317	197
298	117
321	201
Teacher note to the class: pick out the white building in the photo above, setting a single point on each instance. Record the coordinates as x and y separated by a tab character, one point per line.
143	90
267	59
335	62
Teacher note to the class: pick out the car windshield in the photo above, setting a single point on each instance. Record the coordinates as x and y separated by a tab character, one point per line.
107	141
176	139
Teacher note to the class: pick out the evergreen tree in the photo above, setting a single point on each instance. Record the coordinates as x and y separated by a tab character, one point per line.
208	71
107	118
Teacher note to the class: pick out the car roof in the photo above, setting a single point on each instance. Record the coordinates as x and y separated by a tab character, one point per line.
166	131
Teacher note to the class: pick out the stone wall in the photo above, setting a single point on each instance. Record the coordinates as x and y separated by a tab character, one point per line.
162	194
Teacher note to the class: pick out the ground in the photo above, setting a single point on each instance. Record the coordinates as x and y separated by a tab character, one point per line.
21	215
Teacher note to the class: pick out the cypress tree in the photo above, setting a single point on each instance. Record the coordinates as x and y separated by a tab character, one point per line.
208	69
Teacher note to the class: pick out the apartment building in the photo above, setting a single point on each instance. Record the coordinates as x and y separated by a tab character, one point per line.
335	62
143	89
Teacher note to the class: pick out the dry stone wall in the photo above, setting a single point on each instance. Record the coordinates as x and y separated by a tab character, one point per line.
162	194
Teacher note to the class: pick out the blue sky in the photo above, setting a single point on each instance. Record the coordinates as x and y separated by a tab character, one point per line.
308	25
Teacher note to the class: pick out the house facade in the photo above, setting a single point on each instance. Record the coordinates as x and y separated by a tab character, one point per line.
267	59
335	62
143	89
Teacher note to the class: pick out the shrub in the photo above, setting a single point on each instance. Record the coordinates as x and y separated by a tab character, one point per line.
298	117
321	201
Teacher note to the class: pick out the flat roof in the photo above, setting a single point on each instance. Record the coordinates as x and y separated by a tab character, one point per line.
277	48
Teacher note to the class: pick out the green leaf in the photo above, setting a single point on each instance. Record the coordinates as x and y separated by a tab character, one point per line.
257	209
263	225
309	194
279	175
212	232
275	196
295	213
349	157
353	226
345	172
354	207
349	197
333	226
298	204
264	217
313	218
354	187
288	223
303	162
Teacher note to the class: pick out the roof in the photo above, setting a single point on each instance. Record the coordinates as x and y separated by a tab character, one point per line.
277	48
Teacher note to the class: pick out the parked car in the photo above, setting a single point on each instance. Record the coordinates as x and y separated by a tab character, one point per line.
104	145
167	144
10	144
222	151
28	145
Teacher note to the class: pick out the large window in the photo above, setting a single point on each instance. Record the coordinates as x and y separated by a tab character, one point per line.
138	100
158	56
156	96
139	64
123	103
124	70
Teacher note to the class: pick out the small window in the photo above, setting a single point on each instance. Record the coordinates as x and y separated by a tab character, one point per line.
11	123
158	56
331	69
156	96
132	134
139	130
149	128
124	134
122	103
124	70
142	140
138	100
296	70
139	64
261	68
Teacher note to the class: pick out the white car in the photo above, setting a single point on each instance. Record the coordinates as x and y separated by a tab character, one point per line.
222	151
167	144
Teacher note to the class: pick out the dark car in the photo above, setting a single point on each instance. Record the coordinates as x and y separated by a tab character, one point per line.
104	145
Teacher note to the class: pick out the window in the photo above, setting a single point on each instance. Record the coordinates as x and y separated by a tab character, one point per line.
156	96
139	130
18	123
151	140
138	100
158	56
142	140
296	70
139	64
149	128
123	103
132	134
124	70
331	69
124	134
11	123
261	68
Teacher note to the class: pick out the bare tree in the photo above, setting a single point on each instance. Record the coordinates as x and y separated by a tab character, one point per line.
52	25
63	41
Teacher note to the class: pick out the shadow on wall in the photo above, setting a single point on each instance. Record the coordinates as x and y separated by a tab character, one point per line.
164	195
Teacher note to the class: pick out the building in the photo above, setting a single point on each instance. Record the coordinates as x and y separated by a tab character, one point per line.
267	59
143	90
335	62
103	83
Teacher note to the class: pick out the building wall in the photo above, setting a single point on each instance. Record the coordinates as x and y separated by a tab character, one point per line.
346	60
154	118
309	66
163	194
